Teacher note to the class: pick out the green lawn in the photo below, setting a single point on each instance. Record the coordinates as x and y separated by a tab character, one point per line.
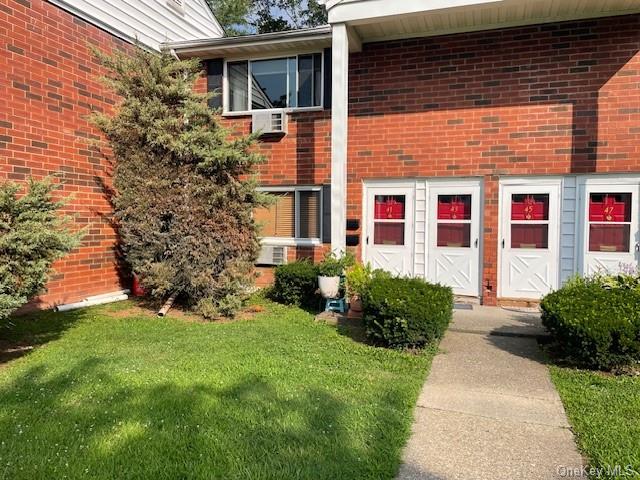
278	396
605	414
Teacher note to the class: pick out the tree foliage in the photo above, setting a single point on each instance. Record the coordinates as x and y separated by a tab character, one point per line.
32	236
264	16
184	196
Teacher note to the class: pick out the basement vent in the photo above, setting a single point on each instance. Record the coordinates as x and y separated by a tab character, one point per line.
272	255
271	122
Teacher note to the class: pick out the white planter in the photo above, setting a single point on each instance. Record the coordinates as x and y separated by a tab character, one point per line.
329	286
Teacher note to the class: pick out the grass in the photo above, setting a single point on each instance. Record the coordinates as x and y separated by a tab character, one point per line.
279	396
604	412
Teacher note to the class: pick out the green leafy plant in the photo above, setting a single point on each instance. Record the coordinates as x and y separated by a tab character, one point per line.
184	190
333	265
296	284
406	312
33	235
263	16
358	278
595	321
628	278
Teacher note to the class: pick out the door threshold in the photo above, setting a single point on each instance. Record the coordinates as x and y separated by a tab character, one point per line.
466	300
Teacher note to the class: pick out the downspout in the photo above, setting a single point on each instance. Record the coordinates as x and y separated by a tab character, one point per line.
94	300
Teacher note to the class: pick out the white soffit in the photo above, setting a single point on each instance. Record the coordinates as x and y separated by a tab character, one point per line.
378	20
266	44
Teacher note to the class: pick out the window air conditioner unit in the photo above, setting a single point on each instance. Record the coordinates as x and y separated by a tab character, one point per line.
269	122
272	255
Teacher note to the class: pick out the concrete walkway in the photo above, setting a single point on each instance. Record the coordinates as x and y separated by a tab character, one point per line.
488	409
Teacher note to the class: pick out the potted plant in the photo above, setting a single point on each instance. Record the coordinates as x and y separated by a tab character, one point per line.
358	279
329	272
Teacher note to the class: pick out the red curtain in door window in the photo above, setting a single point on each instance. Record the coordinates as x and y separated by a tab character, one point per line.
389	207
530	207
454	235
388	233
610	207
529	235
609	237
454	207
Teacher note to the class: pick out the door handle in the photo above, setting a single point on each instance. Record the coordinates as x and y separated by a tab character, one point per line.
475	244
503	243
637	247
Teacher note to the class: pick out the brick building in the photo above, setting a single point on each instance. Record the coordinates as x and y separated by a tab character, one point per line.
490	146
50	84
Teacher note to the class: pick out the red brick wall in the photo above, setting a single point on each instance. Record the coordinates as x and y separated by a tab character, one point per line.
302	157
546	99
550	99
49	84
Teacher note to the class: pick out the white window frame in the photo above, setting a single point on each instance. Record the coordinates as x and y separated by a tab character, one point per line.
249	111
295	241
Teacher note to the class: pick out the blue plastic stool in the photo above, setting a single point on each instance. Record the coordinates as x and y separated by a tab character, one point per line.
338	305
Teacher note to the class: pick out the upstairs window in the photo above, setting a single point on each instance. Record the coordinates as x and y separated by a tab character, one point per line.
291	82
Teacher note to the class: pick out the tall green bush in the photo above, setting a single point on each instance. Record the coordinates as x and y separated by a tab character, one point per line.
184	194
33	235
406	312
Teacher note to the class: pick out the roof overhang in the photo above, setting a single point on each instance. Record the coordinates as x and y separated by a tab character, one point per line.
379	20
261	44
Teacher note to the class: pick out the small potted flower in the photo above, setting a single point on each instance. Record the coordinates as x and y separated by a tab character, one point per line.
329	272
358	278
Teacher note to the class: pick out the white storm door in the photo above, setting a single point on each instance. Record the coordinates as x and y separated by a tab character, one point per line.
389	242
611	237
454	236
529	243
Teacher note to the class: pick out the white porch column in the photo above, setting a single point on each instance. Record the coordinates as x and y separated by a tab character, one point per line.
339	135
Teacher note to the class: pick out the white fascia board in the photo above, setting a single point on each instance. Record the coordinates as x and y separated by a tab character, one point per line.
253	43
357	11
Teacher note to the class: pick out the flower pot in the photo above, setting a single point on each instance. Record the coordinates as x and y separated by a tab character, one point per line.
329	286
136	288
356	304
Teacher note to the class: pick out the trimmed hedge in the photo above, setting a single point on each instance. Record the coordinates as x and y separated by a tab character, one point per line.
596	326
406	312
296	284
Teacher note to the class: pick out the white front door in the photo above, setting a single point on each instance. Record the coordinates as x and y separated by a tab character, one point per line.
611	236
389	230
454	235
529	241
